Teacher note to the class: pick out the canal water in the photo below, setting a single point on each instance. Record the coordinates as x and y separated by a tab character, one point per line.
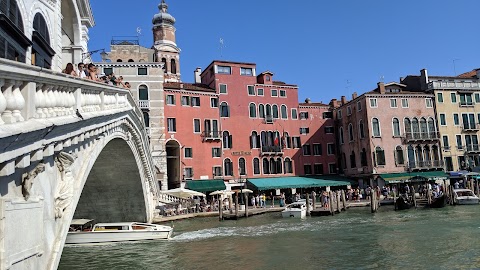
447	238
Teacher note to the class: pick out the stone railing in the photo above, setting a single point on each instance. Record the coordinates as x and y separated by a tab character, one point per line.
454	85
166	198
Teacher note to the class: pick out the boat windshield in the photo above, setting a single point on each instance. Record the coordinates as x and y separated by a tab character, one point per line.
296	206
465	193
111	228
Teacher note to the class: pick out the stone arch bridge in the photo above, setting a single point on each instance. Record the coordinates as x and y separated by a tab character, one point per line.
69	148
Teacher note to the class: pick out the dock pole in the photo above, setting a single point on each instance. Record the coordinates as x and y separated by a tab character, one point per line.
414	197
395	197
339	207
372	201
314	201
246	205
330	197
220	208
344	201
236	204
308	204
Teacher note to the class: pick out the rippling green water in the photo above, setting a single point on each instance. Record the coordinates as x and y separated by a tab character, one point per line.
447	238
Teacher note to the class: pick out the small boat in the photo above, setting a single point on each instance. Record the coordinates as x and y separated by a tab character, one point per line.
296	210
465	196
402	203
116	232
439	202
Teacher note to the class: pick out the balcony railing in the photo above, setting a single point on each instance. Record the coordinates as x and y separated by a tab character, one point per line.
421	136
454	85
471	127
144	104
426	164
472	148
211	135
466	104
268	119
272	150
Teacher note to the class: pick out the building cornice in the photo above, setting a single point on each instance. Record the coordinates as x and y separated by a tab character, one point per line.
128	64
199	93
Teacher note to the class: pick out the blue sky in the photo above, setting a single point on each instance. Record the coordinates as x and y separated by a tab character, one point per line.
328	48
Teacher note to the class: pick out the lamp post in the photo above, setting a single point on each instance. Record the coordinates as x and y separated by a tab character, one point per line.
103	54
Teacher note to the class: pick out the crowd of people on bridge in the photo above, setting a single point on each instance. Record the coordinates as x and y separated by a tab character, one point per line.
90	72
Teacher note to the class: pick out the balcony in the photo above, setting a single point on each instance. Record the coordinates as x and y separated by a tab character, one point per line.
471	127
144	104
421	136
272	150
466	104
472	148
449	85
211	135
425	165
268	119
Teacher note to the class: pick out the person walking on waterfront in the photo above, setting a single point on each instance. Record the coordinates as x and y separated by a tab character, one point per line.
264	200
257	200
252	200
282	199
314	196
325	199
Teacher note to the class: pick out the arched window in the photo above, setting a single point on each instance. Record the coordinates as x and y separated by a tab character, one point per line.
256	166
266	166
146	119
241	166
411	156
363	157
340	135
268	110
228	167
428	156
261	111
42	53
253	110
143	92
379	156
361	129
279	166
431	128
227	140
287	140
415	129
350	132
408	128
436	156
119	60
173	66
396	127
13	42
224	110
353	161
164	61
254	140
419	156
376	127
273	167
423	128
275	111
284	112
287	164
399	158
344	161
130	60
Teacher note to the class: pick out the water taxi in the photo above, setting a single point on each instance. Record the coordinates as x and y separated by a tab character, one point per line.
296	210
117	232
465	196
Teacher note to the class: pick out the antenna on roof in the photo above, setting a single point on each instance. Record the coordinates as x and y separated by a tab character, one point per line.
222	45
348	87
454	67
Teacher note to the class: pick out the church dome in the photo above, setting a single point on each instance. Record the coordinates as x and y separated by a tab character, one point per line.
163	17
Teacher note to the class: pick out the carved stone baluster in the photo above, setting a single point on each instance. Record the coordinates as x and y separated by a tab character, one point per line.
71	102
19	101
51	101
3	101
39	101
7	114
56	99
60	101
46	101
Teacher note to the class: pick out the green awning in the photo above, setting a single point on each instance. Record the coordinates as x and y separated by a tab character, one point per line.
395	178
206	185
292	182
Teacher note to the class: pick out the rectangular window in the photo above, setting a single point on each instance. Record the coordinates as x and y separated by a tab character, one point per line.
327	115
294	114
359	106
443	120
224	70
477	97
170	100
217	171
223	88
214	102
171	125
456	119
246	71
188	152
296	142
332	168
274	93
216	152
142	71
303	115
429	102
307	168
466	99
318	168
196	126
328	130
330	149
453	97
251	90
446	144
196	101
339	114
185	101
304	130
393	103
404	103
349	110
373	103
459	142
440	97
260	92
317	149
283	93
108	71
306	150
188	172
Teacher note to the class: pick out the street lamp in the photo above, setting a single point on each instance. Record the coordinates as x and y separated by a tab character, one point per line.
103	54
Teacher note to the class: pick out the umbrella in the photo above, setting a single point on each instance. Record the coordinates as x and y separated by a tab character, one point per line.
246	190
183	193
222	192
471	174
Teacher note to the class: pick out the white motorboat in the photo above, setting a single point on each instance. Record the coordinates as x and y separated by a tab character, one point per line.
117	232
296	210
465	196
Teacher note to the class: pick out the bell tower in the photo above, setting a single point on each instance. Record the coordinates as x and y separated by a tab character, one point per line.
165	46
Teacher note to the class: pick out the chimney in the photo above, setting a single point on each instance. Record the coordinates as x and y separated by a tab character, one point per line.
333	103
344	100
478	73
354	95
307	100
196	74
381	87
423	79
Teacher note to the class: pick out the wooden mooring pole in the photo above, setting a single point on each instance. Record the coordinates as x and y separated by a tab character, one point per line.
344	201
395	197
330	197
220	208
236	204
339	207
246	205
308	204
373	202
